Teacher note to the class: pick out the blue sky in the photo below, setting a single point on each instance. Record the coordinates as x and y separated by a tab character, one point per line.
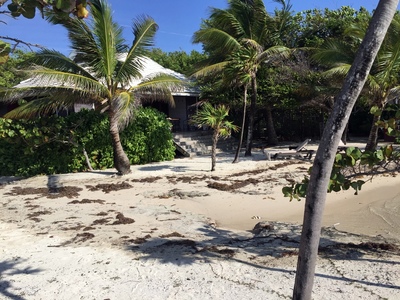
177	20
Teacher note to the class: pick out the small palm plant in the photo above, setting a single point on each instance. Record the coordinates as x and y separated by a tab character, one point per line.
215	117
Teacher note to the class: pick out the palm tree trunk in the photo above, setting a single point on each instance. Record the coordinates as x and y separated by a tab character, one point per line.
121	160
236	159
271	133
373	135
322	167
252	112
214	149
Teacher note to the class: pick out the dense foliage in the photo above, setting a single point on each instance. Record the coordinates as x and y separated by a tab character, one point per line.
178	61
56	144
8	75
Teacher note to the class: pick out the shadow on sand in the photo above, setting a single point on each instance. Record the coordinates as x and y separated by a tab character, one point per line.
225	244
8	268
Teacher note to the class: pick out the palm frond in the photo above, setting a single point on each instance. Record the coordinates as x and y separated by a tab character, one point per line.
144	29
210	69
108	37
216	39
124	104
274	52
158	87
48	78
43	106
340	70
52	59
332	52
83	41
227	22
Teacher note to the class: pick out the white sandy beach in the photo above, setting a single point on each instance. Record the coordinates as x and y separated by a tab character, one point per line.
166	232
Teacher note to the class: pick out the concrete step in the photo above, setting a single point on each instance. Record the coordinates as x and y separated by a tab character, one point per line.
200	142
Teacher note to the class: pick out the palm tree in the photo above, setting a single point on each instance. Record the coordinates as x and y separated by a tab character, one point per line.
102	72
214	117
239	35
325	156
383	83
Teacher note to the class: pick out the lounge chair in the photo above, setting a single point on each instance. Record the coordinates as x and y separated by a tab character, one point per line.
299	151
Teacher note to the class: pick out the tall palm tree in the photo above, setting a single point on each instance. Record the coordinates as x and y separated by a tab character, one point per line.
215	117
383	83
239	35
102	72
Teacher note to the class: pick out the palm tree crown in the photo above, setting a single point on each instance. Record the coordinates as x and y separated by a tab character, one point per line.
239	39
216	118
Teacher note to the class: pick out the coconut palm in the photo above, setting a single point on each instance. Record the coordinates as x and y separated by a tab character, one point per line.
214	117
383	83
239	35
104	71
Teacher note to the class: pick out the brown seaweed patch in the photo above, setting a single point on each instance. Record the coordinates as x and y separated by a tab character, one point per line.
101	214
139	240
225	251
79	238
147	179
172	234
39	213
86	201
77	227
109	187
228	187
121	219
65	191
100	221
87	228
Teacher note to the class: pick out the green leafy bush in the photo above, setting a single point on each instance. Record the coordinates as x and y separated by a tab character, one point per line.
56	144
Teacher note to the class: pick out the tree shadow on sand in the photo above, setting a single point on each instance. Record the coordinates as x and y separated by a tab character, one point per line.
8	268
279	240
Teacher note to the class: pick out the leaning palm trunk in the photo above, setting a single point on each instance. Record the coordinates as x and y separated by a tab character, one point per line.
236	159
121	160
322	167
214	149
252	112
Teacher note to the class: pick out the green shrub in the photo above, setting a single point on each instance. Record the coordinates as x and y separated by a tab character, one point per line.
148	138
56	144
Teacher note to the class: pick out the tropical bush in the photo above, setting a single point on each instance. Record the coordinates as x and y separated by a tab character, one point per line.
54	144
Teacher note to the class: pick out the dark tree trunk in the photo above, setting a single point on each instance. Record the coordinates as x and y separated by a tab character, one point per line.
214	149
271	133
322	167
252	112
121	160
373	134
236	159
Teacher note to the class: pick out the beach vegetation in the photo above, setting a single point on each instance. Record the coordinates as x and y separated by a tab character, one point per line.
216	118
383	84
101	71
80	142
